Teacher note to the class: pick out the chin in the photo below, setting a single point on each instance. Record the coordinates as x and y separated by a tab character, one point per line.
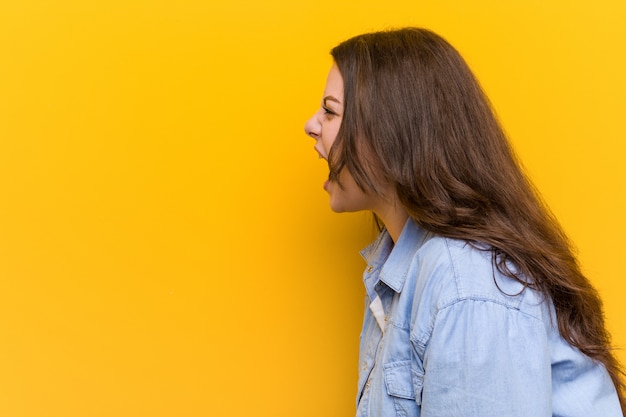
341	207
341	202
337	207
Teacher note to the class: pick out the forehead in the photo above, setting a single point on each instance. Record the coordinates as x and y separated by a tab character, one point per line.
334	83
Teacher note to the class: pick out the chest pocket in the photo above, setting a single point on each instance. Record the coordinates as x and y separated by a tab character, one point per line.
403	382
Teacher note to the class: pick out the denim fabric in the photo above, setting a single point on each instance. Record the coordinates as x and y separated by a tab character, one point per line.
461	339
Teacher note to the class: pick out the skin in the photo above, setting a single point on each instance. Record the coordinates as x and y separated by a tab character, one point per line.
323	127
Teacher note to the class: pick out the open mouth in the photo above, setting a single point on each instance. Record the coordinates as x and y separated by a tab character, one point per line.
319	154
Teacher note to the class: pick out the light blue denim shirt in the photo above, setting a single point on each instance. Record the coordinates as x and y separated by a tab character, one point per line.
456	344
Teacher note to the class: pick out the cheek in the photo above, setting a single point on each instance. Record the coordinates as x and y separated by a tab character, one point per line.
330	134
327	143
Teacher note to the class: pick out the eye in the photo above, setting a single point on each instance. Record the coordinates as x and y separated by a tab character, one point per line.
328	111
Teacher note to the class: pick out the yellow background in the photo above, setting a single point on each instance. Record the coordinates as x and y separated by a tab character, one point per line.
166	248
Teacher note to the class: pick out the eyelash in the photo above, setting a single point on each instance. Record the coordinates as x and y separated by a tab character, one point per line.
328	112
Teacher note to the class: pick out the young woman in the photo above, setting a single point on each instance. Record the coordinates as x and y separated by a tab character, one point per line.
476	304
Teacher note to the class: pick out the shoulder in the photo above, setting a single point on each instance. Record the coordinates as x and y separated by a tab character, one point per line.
464	270
446	272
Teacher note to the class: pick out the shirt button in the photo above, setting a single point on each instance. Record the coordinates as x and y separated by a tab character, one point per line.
370	268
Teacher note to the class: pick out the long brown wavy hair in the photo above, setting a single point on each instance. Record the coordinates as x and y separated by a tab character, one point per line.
416	117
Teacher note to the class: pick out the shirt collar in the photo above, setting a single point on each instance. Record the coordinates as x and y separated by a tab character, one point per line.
390	263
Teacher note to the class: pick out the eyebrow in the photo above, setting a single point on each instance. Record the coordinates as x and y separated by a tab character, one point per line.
330	98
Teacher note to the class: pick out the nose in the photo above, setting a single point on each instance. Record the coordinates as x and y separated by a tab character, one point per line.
313	127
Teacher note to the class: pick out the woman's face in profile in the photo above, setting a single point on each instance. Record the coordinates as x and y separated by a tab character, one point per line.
323	127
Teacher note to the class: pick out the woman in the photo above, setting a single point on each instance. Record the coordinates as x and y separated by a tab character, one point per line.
476	304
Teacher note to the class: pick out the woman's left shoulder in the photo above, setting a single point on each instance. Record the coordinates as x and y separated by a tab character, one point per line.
465	270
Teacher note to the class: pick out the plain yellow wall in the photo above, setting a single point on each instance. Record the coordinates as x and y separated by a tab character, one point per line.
166	248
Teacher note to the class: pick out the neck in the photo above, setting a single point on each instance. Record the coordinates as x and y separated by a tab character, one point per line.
394	218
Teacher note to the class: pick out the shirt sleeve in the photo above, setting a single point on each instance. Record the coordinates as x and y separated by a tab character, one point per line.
485	359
